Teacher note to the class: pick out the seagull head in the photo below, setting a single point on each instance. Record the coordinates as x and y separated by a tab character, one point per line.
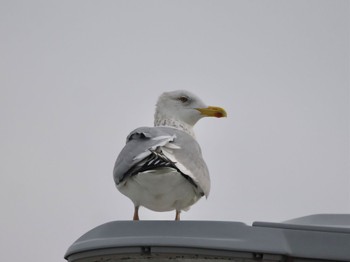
182	109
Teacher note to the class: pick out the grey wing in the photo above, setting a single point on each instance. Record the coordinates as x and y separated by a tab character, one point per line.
188	158
149	147
141	150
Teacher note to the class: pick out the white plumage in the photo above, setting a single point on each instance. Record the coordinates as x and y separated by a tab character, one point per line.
161	167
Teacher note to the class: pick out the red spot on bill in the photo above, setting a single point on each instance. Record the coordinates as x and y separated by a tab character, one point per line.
218	114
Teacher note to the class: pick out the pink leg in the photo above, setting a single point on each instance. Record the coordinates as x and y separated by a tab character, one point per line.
177	217
136	213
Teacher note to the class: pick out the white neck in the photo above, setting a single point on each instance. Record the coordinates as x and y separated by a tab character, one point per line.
169	122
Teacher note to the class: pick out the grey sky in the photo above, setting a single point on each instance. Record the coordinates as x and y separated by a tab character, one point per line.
78	76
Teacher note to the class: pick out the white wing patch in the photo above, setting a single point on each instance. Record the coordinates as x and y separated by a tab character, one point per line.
169	138
164	142
172	146
142	155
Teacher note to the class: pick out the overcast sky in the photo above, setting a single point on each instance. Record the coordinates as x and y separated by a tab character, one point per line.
78	76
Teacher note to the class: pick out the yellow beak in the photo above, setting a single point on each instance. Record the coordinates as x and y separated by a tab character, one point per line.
213	111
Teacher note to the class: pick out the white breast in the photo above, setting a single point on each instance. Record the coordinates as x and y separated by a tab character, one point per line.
162	189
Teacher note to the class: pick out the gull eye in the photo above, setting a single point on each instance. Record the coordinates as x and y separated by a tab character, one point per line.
183	99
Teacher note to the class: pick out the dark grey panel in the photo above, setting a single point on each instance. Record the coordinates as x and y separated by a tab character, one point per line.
214	238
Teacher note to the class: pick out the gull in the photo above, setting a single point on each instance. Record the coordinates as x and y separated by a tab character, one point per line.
161	168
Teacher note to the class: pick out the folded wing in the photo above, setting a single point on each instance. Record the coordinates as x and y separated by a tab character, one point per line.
148	148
